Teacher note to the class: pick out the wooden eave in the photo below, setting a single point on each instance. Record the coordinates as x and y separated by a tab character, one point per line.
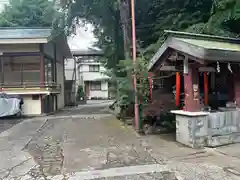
196	52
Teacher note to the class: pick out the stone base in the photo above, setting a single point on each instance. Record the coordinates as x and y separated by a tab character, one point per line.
200	129
191	128
223	140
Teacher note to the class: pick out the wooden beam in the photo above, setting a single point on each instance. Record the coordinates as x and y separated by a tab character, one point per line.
185	65
178	89
10	54
207	69
165	57
168	68
200	61
186	48
176	57
180	57
174	69
205	88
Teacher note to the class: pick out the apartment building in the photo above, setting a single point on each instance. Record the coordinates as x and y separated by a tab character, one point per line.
2	4
92	77
90	74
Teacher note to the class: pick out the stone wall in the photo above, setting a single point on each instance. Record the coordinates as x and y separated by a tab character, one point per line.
214	129
192	130
224	128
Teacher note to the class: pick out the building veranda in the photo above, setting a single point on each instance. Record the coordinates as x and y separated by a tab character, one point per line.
32	66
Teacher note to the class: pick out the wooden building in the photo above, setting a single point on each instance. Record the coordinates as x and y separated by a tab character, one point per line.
207	71
32	66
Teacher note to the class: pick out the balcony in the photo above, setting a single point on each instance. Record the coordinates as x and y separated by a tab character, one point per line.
30	88
94	76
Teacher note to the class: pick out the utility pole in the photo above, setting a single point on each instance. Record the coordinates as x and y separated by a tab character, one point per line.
124	7
134	55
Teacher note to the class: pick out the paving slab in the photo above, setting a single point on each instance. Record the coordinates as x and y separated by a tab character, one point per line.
88	143
230	150
14	161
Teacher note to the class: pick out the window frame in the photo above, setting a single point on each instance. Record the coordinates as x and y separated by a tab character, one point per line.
94	68
95	84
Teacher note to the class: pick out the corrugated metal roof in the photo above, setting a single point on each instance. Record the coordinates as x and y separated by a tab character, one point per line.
24	33
214	45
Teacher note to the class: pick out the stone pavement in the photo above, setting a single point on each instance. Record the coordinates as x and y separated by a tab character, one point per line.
88	143
6	123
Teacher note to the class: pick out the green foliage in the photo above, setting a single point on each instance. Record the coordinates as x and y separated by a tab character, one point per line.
32	13
80	93
224	19
105	17
123	86
174	15
217	17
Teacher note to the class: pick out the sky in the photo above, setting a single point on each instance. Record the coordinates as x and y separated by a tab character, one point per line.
83	40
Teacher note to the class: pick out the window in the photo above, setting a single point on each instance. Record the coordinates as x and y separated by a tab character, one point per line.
95	85
94	68
35	97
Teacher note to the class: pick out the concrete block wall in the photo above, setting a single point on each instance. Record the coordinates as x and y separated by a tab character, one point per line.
30	106
192	131
215	129
224	128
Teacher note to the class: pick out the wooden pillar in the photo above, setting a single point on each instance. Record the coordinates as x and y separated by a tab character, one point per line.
237	88
191	88
55	64
22	81
178	88
150	87
230	82
2	70
205	88
42	78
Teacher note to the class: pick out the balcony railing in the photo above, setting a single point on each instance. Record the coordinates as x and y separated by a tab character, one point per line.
30	85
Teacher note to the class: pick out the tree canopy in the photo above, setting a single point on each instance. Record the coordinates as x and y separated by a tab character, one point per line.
30	13
218	17
215	17
224	19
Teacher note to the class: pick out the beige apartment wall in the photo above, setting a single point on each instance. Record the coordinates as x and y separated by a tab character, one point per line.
30	106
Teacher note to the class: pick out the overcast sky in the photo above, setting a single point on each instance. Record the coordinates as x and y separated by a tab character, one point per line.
83	40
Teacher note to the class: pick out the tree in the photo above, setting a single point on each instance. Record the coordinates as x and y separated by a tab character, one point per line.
30	13
171	15
123	86
105	17
224	19
218	17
